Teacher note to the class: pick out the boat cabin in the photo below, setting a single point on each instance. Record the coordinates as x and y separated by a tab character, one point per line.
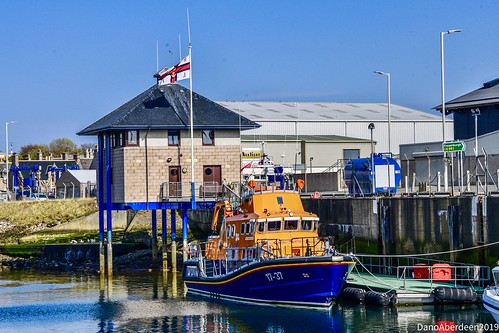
265	225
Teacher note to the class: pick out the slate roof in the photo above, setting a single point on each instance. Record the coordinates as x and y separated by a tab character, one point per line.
168	107
486	95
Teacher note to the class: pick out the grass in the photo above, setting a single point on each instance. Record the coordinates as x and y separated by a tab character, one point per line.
25	213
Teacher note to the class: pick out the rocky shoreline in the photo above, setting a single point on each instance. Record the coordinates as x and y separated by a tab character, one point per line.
139	260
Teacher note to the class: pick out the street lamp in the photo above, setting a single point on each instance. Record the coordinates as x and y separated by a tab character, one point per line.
442	74
389	104
371	128
475	113
442	77
7	153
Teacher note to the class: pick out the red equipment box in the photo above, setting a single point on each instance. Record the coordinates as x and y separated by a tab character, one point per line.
421	271
441	272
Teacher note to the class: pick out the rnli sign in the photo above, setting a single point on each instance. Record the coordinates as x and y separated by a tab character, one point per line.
453	146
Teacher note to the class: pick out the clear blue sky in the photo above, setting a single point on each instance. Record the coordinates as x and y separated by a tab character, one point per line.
65	64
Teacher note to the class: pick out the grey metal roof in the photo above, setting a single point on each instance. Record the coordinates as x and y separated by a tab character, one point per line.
168	107
326	111
307	138
486	95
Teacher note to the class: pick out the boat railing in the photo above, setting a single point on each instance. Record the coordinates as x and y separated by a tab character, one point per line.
232	258
458	275
410	266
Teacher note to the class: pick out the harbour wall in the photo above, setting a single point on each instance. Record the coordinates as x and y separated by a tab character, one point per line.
413	225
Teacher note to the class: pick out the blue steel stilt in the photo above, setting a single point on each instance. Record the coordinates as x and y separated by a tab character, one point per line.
174	241
108	208
100	186
154	238
184	233
163	241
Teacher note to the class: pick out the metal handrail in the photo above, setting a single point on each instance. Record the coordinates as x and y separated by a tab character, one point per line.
387	265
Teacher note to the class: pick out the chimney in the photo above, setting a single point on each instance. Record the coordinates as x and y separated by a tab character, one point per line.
15	159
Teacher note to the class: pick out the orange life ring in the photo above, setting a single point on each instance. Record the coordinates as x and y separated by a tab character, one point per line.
300	183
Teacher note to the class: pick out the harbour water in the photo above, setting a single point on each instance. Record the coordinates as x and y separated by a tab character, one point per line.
148	302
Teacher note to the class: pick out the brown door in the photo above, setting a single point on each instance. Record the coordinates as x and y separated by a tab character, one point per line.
174	180
212	179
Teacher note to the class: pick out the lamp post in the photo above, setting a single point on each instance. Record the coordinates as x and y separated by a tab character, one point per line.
475	113
442	77
7	153
389	105
371	128
311	159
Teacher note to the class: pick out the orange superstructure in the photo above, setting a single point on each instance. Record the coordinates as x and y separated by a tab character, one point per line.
271	223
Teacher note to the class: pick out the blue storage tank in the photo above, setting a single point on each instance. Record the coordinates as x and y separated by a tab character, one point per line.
384	180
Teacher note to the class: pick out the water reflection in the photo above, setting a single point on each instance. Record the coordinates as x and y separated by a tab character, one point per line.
153	302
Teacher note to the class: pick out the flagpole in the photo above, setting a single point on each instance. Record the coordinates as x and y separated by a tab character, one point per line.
193	186
180	45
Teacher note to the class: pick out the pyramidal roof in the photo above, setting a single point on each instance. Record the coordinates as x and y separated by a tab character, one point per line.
168	107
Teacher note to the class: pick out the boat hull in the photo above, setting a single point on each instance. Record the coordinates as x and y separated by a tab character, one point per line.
490	300
304	281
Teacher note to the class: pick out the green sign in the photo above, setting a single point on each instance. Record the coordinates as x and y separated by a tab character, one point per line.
453	146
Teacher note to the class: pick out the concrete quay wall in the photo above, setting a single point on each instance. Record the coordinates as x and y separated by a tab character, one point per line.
413	225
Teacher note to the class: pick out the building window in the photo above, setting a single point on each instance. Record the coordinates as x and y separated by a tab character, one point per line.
117	139
132	138
208	137
174	138
349	154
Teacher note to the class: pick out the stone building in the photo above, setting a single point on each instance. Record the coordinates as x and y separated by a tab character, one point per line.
150	146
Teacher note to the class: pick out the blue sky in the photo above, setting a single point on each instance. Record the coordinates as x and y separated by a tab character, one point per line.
65	64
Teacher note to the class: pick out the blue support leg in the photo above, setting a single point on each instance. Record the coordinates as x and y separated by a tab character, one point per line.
184	233
100	186
108	208
154	238
163	241
174	241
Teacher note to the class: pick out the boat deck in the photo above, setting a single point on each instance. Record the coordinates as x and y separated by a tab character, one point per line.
406	291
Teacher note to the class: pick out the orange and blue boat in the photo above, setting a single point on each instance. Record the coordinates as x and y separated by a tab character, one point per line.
266	249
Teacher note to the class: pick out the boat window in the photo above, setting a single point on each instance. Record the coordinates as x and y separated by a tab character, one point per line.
261	226
306	225
243	228
280	201
251	227
274	225
290	224
233	234
227	232
496	277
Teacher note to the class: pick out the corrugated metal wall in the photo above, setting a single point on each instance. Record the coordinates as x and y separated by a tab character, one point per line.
402	132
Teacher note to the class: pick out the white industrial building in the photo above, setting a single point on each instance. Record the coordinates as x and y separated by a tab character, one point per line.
349	120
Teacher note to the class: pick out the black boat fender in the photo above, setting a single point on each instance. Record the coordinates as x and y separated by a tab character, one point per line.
376	298
455	295
354	294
